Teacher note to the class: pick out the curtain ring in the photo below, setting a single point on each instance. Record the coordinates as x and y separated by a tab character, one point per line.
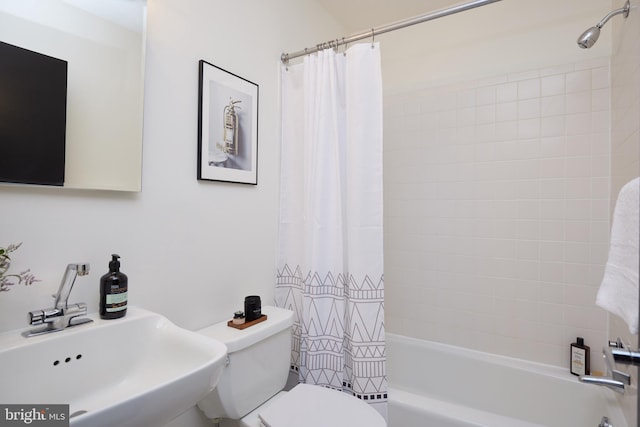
373	37
345	47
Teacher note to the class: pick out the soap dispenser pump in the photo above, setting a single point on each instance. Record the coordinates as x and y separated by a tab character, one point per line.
113	291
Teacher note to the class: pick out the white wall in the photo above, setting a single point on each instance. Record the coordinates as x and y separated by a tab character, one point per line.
192	250
497	179
625	149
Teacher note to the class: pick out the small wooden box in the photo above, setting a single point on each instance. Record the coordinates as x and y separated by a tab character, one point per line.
245	325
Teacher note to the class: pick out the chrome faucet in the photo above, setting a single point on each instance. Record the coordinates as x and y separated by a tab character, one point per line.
63	315
623	355
612	354
615	385
604	422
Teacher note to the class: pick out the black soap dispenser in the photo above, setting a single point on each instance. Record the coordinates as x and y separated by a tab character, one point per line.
113	291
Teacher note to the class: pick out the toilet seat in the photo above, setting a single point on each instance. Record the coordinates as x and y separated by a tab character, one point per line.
314	406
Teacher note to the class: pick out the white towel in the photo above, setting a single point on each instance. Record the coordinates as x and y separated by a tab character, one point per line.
618	292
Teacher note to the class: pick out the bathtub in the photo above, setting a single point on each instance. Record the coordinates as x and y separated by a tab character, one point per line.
433	384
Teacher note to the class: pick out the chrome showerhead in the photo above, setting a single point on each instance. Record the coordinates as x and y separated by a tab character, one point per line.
589	37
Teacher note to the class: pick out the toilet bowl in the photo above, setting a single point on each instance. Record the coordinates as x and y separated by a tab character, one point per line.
251	387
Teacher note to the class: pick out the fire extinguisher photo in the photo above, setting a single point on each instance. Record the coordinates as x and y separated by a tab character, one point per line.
230	128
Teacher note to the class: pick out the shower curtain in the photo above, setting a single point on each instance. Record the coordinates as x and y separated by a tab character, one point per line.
330	260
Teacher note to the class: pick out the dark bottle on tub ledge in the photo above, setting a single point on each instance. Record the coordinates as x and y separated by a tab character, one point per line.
113	291
579	358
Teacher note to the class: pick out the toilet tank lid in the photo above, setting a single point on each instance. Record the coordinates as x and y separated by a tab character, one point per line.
278	319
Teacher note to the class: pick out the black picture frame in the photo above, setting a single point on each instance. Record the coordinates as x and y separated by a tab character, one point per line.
227	126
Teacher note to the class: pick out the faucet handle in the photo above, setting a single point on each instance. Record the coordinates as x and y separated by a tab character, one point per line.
76	309
48	315
36	317
610	359
604	422
617	343
626	356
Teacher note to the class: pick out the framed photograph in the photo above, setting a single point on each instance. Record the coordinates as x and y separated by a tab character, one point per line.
227	126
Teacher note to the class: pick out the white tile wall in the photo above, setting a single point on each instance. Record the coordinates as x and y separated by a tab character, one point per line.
497	211
625	150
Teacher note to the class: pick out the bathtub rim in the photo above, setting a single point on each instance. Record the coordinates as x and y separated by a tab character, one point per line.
492	358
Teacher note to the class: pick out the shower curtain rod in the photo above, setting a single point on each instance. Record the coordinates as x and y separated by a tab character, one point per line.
285	57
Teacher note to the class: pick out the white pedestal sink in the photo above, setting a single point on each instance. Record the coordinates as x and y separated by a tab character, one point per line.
138	371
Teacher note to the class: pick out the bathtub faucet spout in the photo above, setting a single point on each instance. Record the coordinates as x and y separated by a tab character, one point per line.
615	385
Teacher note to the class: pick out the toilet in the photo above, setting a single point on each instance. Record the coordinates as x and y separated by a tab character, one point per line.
250	389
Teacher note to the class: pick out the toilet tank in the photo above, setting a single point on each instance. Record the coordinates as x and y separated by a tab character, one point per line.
258	364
